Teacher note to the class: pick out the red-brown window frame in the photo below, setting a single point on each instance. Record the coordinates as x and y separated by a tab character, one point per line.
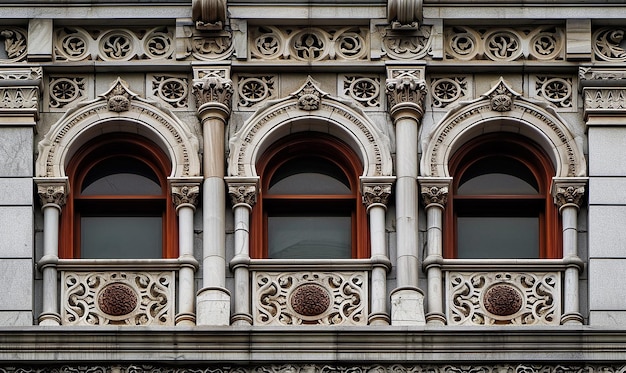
106	147
535	159
304	145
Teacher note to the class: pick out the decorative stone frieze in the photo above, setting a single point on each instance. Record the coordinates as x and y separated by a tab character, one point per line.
19	98
242	192
363	89
536	367
608	44
406	90
376	193
503	298
117	298
588	74
448	90
255	89
557	90
52	192
310	298
213	86
79	44
185	194
408	45
13	44
171	89
209	14
544	43
604	100
193	43
309	43
34	74
568	191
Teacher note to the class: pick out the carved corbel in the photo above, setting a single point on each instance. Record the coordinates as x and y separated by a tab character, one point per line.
406	90
209	14
404	14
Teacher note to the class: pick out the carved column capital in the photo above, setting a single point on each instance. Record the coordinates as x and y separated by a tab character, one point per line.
404	13
568	191
376	190
434	191
209	14
242	191
185	192
213	90
406	90
52	191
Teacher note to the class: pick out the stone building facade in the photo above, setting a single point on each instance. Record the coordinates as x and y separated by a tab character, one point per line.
322	186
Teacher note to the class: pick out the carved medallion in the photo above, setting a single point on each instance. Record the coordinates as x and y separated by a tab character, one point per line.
310	300
117	299
502	300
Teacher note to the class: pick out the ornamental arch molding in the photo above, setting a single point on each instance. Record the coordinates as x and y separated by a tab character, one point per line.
503	110
309	109
118	110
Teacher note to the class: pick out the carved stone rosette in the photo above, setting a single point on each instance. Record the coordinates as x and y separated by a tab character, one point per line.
117	298
406	90
503	298
310	298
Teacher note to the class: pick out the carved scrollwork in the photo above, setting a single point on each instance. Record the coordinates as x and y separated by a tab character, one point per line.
19	98
78	44
515	298
565	194
608	44
65	90
309	44
556	90
501	97
171	89
504	44
445	91
434	194
13	46
118	96
318	298
117	298
408	46
252	90
362	89
309	95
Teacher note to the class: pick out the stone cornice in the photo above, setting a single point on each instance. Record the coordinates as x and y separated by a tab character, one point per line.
258	345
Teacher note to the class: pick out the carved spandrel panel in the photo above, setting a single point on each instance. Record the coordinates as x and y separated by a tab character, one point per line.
448	90
364	89
117	298
310	298
13	44
171	89
558	90
503	298
253	90
608	44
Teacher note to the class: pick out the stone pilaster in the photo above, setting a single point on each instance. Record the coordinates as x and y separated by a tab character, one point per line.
406	90
213	91
434	193
243	193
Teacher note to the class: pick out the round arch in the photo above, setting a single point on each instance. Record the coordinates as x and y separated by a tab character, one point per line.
309	109
117	110
503	110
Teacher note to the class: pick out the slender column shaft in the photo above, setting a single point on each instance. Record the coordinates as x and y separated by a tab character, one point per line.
571	306
186	286
242	314
379	272
50	314
435	315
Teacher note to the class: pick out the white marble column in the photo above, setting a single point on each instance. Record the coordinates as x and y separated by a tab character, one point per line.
434	193
568	194
406	90
376	192
52	193
243	193
185	197
213	91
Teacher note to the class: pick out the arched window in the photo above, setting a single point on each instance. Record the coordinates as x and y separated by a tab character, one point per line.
500	205
119	205
309	205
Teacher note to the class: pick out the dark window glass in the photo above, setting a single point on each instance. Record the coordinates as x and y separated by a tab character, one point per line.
498	175
121	237
121	176
309	175
497	237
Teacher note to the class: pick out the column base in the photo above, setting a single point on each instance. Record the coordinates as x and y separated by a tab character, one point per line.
378	319
49	319
407	307
572	319
435	318
241	319
186	319
213	307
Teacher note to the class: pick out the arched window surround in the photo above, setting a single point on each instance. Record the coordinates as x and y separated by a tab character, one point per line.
319	146
108	147
529	154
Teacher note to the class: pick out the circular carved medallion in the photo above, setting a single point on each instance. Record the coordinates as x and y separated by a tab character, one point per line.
117	299
310	300
502	300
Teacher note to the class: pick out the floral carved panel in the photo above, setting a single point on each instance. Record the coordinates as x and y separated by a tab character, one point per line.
366	90
13	44
309	44
79	44
173	90
503	298
310	298
253	90
609	44
447	90
557	90
63	91
117	298
545	43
